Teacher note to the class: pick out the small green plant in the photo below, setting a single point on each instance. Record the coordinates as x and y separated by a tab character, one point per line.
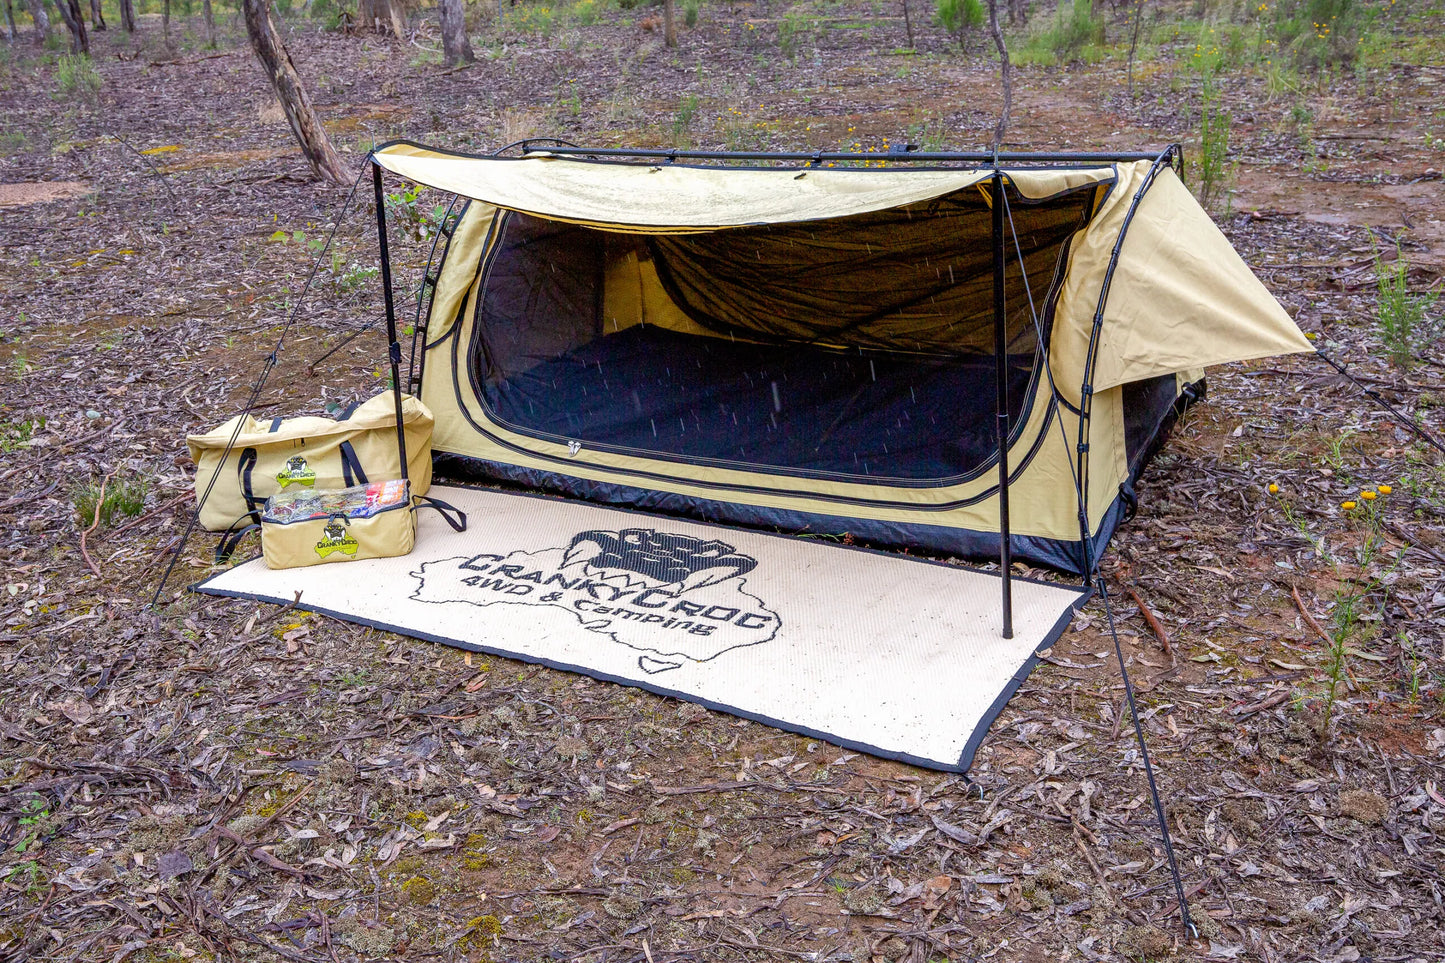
959	16
1215	173
682	120
26	873
353	276
122	496
1404	317
690	10
31	814
76	75
1349	626
793	30
1318	33
411	216
15	434
1070	35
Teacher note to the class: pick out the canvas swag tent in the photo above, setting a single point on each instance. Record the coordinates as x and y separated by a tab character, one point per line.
829	349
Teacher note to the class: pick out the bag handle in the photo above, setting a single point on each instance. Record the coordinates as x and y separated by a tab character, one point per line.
458	524
244	466
351	470
231	541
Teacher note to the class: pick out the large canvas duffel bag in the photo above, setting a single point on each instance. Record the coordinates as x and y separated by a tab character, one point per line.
269	457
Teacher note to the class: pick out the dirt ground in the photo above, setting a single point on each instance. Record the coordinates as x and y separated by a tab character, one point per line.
220	780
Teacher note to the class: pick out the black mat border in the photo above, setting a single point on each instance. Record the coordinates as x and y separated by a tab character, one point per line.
961	766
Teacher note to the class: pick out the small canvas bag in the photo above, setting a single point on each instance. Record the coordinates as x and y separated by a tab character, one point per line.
376	520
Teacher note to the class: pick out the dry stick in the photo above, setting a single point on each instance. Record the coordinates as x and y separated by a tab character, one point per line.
1152	621
1007	70
1310	619
99	504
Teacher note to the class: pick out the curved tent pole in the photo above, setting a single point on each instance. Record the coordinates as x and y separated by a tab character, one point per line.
429	284
393	350
1172	154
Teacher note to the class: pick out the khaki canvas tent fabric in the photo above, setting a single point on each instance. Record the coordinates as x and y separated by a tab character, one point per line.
813	350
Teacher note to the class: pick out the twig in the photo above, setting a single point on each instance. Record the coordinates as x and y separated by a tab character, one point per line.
1007	70
1152	621
99	504
1310	619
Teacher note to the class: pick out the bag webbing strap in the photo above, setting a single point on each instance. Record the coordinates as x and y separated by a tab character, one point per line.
232	540
351	471
244	466
458	524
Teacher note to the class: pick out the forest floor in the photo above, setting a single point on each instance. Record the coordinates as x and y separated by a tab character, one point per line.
223	780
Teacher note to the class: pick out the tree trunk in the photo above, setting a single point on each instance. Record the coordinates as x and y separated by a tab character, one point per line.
280	70
210	23
908	24
166	21
456	48
1018	12
41	18
127	15
669	22
10	32
97	18
383	16
1007	69
75	23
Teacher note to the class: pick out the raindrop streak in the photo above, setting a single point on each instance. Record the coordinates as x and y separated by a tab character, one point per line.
653	422
777	398
872	371
637	405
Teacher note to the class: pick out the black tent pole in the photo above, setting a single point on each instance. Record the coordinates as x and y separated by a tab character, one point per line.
393	345
1000	360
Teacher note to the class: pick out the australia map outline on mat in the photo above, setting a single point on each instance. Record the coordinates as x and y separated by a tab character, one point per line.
670	596
888	654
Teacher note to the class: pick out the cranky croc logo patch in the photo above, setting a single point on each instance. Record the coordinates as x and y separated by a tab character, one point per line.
676	597
334	539
296	472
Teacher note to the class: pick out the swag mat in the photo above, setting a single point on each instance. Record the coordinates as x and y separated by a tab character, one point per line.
894	656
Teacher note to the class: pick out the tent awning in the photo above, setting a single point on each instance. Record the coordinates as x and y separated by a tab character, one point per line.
676	198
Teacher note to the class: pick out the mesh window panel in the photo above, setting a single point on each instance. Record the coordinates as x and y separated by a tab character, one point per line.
861	346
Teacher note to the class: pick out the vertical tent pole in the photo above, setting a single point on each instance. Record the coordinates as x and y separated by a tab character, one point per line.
1000	359
393	346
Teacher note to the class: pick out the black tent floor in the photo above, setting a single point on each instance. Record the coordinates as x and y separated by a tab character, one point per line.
793	408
